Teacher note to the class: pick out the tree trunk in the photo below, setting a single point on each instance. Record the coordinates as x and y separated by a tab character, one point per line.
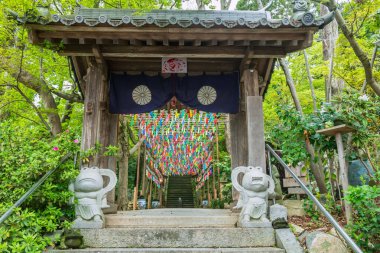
315	168
355	46
372	62
310	81
330	33
51	109
290	83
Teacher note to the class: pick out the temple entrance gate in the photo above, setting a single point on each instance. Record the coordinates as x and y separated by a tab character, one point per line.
105	42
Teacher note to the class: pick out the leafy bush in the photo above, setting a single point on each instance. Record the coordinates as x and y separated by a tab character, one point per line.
365	201
25	156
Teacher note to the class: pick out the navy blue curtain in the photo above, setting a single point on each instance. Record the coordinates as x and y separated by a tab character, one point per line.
210	93
141	93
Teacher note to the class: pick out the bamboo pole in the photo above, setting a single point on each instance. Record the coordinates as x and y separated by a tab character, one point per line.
150	195
143	188
214	184
208	193
137	180
217	161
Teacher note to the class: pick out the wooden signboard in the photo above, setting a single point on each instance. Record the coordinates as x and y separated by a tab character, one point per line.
174	65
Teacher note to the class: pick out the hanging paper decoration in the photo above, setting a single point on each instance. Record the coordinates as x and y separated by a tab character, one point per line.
177	142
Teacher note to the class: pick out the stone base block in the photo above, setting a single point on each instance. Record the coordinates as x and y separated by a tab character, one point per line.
79	224
173	218
295	207
176	250
277	211
285	239
254	224
179	237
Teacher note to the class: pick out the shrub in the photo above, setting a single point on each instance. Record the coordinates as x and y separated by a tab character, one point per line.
25	156
365	227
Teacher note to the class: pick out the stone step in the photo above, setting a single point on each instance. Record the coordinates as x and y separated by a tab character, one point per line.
184	198
179	237
172	218
174	250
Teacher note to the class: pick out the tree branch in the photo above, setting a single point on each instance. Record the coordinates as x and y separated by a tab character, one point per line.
10	102
25	117
70	97
39	114
360	54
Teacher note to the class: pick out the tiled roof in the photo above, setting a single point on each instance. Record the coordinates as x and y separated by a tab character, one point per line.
183	18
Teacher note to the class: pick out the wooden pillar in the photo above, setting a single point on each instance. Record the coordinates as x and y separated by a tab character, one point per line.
255	121
99	126
239	145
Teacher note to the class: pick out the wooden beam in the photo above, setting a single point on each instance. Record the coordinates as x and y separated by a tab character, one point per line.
232	36
156	67
157	51
131	29
171	51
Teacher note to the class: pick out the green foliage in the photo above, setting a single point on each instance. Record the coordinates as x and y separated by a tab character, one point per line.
217	204
25	156
365	201
310	209
279	9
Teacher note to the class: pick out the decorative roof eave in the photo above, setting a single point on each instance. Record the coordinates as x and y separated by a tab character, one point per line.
181	18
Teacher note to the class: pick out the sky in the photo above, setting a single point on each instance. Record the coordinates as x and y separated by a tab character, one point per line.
191	4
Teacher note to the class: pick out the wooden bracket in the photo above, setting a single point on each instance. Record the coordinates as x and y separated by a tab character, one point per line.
267	75
100	60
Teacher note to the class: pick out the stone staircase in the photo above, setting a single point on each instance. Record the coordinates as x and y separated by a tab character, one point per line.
180	187
177	230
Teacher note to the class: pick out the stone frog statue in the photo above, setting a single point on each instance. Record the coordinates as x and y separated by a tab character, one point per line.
91	195
254	191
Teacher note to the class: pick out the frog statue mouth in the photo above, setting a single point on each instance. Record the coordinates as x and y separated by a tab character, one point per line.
87	180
